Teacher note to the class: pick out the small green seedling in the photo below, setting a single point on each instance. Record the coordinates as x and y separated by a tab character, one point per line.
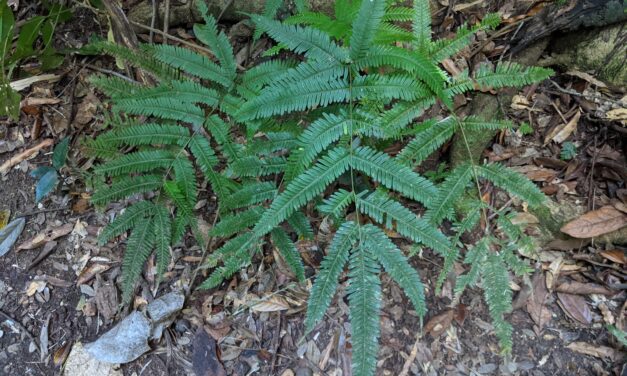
48	176
569	151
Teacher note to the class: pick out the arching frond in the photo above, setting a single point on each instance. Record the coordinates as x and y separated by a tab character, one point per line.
138	249
127	220
289	252
427	141
365	26
126	187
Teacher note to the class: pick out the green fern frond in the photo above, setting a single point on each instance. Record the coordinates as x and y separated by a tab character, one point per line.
365	26
498	296
140	58
236	261
322	22
427	141
476	123
255	167
185	177
512	182
379	87
410	61
274	142
316	70
221	132
475	257
163	108
395	216
289	252
207	160
312	42
385	170
142	134
331	267
177	194
125	221
401	115
303	188
421	25
389	33
162	231
444	49
263	74
234	223
138	249
217	42
192	63
396	265
399	14
364	302
114	86
337	203
126	187
250	194
140	161
300	224
449	193
510	74
184	91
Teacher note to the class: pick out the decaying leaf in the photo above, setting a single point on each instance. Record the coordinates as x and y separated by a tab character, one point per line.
35	286
46	236
90	272
440	323
578	288
596	223
4	218
598	351
561	133
10	233
205	361
576	307
59	356
271	304
536	306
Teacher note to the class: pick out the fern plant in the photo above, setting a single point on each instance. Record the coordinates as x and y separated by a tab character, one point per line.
314	129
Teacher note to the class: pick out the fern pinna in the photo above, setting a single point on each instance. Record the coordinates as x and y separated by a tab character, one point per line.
316	125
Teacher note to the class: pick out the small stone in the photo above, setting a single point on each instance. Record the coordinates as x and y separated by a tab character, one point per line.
14	348
181	325
304	372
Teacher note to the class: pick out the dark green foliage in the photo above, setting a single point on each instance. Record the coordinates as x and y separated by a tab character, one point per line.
290	137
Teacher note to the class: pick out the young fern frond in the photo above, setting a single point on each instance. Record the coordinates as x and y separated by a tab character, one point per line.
421	25
365	27
444	49
218	43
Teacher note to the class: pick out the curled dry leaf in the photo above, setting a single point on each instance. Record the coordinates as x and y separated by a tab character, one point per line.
615	255
596	223
561	133
46	236
90	272
59	356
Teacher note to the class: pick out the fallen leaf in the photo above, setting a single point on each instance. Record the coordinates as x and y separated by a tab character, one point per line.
205	361
598	351
59	356
586	77
596	223
536	173
34	287
4	218
90	272
520	102
576	307
618	114
614	255
28	153
46	236
10	233
271	304
578	288
536	306
561	133
43	339
440	323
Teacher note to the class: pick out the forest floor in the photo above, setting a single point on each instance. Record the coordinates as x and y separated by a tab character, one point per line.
55	284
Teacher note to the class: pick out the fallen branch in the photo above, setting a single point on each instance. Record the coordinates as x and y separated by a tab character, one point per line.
15	160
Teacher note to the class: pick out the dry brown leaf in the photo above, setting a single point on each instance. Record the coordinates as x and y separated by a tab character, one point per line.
440	323
536	173
90	272
520	102
576	307
561	133
28	153
586	77
598	351
536	307
618	114
578	288
596	223
59	356
271	304
35	286
615	255
46	236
